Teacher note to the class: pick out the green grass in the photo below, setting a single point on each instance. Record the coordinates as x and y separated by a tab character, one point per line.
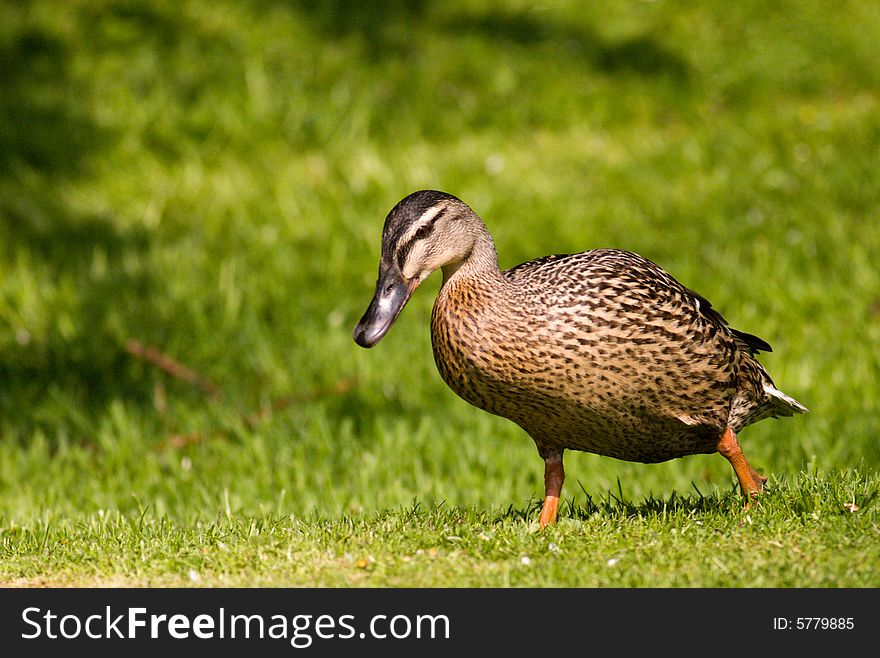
801	535
209	179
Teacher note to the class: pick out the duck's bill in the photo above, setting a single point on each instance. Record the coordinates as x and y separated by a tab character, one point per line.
392	293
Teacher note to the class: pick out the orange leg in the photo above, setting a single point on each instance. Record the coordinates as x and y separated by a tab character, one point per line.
554	476
750	482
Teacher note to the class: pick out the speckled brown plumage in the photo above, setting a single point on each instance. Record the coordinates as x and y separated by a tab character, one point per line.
600	351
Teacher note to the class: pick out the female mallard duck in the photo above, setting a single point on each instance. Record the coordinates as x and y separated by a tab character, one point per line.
600	351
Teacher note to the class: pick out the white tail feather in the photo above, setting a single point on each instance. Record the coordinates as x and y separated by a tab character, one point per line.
783	404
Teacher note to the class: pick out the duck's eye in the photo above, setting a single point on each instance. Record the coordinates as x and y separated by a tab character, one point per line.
422	231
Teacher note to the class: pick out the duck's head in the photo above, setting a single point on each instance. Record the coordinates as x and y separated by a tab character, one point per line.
426	231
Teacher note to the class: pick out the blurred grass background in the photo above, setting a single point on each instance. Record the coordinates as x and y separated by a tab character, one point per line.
208	180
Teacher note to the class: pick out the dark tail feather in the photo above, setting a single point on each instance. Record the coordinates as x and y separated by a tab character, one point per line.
748	342
751	342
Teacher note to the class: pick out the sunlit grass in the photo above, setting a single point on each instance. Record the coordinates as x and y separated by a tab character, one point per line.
819	532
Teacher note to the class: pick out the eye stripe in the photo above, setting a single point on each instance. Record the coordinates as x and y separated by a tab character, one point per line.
418	232
438	216
423	230
402	253
427	218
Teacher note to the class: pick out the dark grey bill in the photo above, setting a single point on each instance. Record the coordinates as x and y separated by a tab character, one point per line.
392	294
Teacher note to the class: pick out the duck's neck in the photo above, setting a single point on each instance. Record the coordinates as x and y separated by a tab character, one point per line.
481	261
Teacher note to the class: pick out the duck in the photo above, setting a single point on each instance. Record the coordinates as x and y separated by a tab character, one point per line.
600	351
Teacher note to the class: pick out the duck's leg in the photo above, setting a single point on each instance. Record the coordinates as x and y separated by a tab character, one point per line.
750	482
554	476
